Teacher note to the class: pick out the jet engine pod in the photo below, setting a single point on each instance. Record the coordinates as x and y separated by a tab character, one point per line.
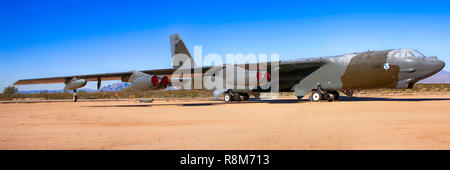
263	75
75	83
145	82
163	81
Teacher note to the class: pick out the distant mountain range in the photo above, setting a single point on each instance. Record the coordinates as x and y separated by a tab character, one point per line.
441	77
115	87
53	91
108	88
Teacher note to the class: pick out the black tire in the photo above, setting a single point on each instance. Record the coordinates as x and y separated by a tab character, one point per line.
228	97
329	97
336	95
244	97
315	96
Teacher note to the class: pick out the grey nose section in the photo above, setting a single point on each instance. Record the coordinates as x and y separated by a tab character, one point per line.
436	64
432	65
440	64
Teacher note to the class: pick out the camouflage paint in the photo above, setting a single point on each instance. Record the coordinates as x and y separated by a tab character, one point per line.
344	72
365	70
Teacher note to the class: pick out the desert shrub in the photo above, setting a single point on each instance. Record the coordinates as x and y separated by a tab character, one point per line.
130	93
10	90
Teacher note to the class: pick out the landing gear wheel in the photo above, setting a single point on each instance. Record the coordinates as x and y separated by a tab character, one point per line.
330	97
244	97
315	96
335	95
228	98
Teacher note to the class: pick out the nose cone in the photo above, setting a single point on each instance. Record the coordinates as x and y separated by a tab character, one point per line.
434	65
438	65
427	67
442	64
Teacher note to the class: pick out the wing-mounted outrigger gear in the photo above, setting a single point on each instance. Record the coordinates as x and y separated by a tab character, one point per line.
99	82
75	97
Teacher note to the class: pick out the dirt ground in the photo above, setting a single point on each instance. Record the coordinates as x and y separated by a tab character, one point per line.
402	122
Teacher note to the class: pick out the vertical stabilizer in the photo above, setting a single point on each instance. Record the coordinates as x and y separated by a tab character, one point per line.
177	47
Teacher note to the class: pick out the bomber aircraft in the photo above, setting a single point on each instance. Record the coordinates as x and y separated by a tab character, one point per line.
322	76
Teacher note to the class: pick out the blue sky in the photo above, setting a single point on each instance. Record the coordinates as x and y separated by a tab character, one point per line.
57	38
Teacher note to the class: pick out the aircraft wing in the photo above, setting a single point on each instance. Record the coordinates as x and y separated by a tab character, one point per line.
288	66
95	77
91	77
88	77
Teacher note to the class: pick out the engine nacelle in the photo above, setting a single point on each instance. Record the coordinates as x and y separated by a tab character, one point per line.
163	81
75	83
145	82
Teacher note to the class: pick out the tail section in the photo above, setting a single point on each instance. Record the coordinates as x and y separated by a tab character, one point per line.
177	47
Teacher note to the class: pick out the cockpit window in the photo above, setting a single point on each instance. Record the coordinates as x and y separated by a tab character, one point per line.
396	54
409	56
417	54
402	54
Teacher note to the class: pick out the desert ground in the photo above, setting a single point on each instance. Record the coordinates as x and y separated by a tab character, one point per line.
379	122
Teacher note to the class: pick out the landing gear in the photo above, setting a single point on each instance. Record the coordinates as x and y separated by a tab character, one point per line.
244	96
229	96
75	97
318	95
329	96
335	95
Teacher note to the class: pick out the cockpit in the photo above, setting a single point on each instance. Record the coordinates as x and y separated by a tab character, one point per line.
407	54
412	66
